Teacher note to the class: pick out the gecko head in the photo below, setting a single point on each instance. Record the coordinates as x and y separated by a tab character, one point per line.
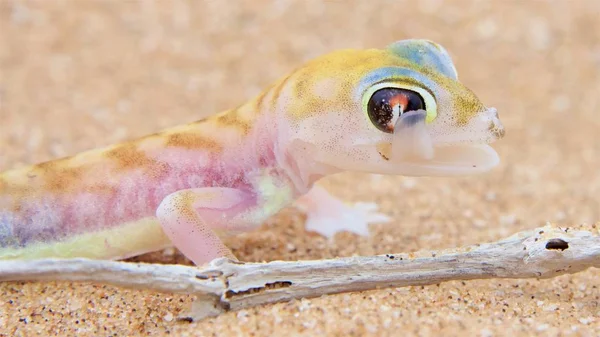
403	111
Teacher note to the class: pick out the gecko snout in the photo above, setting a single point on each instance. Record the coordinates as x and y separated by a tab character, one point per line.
495	125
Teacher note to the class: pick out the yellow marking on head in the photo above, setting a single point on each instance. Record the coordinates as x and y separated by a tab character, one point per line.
303	82
466	107
343	69
326	89
465	104
307	92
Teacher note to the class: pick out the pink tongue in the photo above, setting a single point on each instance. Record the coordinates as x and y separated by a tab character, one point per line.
411	138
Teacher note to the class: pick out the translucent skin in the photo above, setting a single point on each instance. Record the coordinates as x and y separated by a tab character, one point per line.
232	171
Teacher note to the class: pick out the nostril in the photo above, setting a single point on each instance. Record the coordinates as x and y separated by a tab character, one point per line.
500	133
496	129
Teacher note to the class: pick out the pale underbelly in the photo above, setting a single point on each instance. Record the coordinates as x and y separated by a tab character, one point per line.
118	242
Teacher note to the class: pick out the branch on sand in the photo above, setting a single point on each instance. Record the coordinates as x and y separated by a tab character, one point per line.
224	285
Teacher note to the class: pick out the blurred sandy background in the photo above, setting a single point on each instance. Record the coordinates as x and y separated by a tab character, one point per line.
79	74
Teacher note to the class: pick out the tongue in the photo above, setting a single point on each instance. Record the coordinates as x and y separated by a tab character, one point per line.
411	139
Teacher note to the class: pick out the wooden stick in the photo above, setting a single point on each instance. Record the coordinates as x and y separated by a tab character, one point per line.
224	285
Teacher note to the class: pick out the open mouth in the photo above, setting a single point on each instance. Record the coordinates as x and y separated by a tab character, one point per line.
459	159
413	152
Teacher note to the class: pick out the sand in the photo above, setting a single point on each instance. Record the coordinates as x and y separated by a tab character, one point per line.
81	74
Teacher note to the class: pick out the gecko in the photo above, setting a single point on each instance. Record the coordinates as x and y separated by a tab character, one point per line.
396	110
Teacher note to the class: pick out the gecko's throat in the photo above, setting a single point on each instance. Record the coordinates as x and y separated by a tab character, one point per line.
415	152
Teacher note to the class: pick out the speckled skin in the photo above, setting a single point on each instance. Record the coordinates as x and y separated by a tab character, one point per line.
234	170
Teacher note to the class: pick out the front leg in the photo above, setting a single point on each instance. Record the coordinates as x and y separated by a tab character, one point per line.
327	215
188	218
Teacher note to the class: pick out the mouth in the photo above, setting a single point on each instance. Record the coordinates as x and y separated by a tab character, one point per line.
414	151
447	160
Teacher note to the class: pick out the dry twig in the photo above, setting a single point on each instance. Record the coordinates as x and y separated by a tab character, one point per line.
225	285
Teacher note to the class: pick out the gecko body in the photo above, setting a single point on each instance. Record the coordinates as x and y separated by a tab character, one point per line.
397	110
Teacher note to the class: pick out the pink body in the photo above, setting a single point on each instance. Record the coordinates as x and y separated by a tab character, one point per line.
125	183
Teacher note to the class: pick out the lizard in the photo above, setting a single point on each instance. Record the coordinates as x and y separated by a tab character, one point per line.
396	110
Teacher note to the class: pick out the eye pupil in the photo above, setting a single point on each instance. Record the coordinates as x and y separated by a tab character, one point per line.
387	104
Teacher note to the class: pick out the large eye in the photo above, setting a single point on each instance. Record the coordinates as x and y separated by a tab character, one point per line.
387	104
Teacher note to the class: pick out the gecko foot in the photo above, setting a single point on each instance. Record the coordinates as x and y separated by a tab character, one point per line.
328	215
188	218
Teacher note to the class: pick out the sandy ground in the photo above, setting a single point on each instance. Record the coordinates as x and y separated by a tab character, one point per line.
80	74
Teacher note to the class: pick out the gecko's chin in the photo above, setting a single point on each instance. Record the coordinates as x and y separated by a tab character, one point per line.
461	159
447	160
